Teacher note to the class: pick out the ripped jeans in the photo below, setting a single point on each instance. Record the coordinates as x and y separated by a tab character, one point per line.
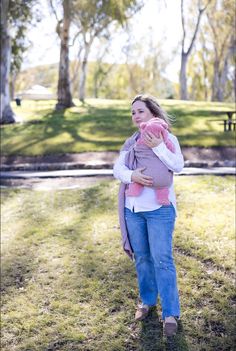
150	235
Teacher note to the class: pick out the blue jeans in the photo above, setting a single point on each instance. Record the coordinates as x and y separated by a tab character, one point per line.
150	235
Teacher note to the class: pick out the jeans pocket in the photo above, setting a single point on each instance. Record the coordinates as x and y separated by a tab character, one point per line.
167	213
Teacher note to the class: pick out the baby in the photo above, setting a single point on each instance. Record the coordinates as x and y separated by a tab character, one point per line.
141	156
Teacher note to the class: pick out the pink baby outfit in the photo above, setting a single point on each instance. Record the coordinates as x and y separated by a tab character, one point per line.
141	156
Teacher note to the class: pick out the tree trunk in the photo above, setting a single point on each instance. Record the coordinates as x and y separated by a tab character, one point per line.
95	84
219	81
183	77
223	80
63	88
185	54
7	115
205	70
12	85
220	76
83	73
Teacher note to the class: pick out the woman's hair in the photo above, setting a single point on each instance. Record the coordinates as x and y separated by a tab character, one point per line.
154	107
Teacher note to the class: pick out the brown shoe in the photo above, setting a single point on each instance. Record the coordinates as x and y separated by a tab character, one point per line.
141	312
170	326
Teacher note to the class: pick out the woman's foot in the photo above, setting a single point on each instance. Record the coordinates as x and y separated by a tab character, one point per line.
170	326
141	312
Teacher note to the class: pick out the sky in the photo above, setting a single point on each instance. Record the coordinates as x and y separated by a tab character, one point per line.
162	22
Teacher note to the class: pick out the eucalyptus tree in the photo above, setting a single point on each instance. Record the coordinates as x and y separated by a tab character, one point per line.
93	19
151	64
186	51
211	67
15	18
18	48
221	34
63	17
102	69
7	115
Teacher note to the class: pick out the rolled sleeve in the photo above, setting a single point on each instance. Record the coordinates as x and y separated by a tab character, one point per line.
172	160
120	171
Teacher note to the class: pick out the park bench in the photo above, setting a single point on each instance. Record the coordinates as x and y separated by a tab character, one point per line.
229	123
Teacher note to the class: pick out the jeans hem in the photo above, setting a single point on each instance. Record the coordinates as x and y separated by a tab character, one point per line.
176	315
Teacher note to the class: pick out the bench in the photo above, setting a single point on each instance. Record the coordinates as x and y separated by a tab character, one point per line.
229	123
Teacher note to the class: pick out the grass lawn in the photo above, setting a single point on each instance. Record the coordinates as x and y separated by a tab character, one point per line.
68	286
101	125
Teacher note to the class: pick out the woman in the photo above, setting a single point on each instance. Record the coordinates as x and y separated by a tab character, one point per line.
146	225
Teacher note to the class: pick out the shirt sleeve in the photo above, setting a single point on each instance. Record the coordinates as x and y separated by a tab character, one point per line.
120	171
173	160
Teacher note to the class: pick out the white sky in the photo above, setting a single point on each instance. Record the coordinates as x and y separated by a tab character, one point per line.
163	21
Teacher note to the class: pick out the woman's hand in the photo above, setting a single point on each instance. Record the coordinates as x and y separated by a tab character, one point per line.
151	140
140	178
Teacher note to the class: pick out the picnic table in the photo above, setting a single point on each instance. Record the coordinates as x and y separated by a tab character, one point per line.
229	123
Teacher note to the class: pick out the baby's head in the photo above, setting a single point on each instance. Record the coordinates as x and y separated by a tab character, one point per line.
153	125
156	126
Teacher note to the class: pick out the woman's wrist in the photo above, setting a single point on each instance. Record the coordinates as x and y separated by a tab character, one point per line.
159	147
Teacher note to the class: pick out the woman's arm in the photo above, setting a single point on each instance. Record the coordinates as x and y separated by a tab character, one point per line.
125	175
120	171
173	161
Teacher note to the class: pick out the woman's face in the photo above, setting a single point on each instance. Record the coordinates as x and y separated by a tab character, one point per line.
140	113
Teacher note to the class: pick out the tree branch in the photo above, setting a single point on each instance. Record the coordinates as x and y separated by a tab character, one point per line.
204	8
195	32
183	24
54	10
200	13
75	37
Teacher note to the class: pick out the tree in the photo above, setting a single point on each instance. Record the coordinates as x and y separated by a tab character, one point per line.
152	65
19	45
7	115
211	69
221	22
185	53
101	68
12	13
93	19
64	96
200	69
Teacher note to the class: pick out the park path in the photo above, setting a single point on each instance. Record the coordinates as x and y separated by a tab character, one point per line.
69	171
72	179
24	174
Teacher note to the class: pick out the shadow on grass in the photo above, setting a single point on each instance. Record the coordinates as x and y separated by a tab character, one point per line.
152	339
54	124
102	274
108	272
99	128
63	344
17	268
17	260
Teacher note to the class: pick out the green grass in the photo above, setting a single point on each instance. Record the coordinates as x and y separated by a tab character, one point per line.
102	125
67	285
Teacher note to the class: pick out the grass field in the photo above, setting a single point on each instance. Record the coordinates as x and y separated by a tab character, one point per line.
101	125
68	286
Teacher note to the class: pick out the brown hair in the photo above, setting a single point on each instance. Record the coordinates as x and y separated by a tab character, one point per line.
154	107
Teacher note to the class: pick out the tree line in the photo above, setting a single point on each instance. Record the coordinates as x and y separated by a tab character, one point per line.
207	51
